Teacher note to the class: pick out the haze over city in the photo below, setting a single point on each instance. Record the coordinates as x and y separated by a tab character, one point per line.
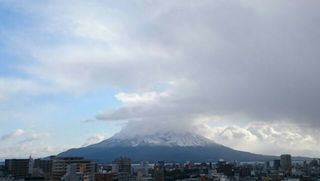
241	73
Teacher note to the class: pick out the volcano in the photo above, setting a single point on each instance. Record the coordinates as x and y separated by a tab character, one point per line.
167	146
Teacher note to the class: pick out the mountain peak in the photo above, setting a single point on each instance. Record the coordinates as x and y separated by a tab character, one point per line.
168	146
170	139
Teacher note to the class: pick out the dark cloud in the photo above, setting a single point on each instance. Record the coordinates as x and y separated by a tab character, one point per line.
235	58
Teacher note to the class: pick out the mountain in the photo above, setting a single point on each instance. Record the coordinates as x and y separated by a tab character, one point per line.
169	139
170	147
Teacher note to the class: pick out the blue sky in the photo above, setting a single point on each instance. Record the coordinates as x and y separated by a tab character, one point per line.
73	73
59	114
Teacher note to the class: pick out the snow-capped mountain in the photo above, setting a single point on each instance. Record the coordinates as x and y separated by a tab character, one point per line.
157	139
165	146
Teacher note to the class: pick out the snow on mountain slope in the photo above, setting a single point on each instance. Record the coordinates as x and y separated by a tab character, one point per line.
169	146
157	139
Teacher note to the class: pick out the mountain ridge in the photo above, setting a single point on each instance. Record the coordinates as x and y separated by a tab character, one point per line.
170	147
157	139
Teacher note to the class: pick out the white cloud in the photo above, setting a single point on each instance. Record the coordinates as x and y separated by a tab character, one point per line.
23	143
135	98
24	136
95	139
35	137
35	149
14	134
273	139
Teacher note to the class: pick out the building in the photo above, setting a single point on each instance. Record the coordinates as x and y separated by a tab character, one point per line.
121	168
225	168
59	167
2	169
142	171
44	164
122	164
285	163
73	174
276	164
17	168
158	171
104	177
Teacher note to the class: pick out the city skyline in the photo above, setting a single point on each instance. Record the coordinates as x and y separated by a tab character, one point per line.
244	74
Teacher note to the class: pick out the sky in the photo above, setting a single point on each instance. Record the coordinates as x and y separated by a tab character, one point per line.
242	73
